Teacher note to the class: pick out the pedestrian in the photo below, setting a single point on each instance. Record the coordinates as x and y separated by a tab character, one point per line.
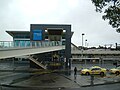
75	71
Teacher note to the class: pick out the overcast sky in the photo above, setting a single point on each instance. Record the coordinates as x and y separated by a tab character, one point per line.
19	14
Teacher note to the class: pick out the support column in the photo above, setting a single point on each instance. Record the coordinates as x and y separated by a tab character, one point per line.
68	47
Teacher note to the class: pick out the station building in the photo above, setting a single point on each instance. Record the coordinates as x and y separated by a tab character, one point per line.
71	53
44	33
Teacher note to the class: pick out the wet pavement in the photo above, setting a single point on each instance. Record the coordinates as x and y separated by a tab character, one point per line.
54	80
12	78
85	81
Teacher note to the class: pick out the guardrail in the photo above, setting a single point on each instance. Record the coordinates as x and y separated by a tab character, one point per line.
22	44
95	52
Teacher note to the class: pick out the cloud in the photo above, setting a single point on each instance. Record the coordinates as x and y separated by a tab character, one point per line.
19	14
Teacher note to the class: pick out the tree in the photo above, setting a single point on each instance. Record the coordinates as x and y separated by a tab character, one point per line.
111	10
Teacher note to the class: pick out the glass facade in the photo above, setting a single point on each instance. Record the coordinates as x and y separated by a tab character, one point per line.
21	40
22	36
21	43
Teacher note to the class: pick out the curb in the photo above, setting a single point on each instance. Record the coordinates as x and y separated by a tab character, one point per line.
100	84
111	82
32	87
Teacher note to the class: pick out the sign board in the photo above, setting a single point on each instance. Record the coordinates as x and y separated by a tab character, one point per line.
37	34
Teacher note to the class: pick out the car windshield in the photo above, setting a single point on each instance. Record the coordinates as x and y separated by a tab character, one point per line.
118	67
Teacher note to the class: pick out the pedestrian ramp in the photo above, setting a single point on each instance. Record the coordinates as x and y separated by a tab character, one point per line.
15	52
40	64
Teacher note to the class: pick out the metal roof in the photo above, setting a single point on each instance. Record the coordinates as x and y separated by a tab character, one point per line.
12	33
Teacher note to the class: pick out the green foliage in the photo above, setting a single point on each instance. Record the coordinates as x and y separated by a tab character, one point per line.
111	10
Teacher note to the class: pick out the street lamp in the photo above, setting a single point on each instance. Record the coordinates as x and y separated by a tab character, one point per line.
86	42
82	48
82	40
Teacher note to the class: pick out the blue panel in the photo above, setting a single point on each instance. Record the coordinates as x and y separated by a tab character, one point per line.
37	34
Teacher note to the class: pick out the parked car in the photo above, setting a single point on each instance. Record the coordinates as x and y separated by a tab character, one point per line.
115	70
94	70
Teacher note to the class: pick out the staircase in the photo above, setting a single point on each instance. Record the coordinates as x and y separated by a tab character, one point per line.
37	62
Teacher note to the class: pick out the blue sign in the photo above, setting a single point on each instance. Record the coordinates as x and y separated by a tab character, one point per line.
37	34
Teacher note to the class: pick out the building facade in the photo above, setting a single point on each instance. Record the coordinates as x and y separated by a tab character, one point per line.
45	33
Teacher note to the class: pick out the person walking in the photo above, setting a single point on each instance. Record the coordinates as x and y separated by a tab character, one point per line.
75	71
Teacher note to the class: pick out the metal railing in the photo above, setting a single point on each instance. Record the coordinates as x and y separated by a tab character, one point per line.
22	44
95	52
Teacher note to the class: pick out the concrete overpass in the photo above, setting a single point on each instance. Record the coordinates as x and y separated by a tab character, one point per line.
8	52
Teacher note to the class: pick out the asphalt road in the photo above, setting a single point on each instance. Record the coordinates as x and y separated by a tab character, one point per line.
101	87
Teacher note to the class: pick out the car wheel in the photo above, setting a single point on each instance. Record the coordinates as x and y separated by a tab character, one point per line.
87	73
117	73
102	74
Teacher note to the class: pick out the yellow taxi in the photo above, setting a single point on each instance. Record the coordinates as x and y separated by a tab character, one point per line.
115	70
94	70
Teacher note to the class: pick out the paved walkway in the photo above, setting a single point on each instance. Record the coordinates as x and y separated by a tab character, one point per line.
83	80
55	80
63	79
52	80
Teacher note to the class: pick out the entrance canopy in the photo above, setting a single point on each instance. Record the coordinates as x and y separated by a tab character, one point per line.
55	31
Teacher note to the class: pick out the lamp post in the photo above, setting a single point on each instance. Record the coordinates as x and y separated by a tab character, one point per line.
82	40
86	42
82	46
